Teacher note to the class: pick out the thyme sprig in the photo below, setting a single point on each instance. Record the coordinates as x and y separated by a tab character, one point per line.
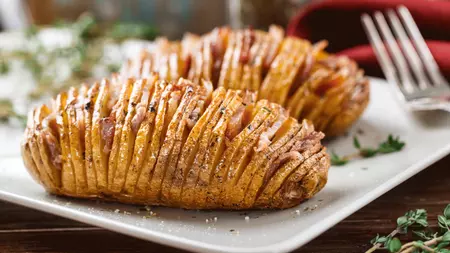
416	221
390	145
82	55
7	112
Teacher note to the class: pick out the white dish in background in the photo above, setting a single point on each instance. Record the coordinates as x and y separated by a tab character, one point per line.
349	188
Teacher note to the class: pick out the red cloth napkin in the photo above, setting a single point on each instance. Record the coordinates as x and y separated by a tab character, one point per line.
338	21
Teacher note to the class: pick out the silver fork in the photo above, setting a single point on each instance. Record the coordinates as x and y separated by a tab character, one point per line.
426	89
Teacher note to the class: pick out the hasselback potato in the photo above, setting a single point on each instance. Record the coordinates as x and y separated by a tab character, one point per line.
329	90
174	143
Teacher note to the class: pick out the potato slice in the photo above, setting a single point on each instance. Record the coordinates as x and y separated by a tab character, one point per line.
236	65
214	152
89	158
275	72
102	131
225	71
287	163
175	67
220	174
286	132
264	141
26	151
180	139
48	144
297	102
192	144
301	184
143	136
155	186
258	62
67	172
276	34
76	136
127	139
279	147
298	59
243	158
207	60
330	103
45	172
351	109
155	145
120	112
188	191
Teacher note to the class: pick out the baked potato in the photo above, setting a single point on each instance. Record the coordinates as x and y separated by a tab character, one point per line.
329	90
173	143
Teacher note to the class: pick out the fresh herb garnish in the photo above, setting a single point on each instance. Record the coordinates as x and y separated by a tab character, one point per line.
392	144
7	112
4	67
416	221
82	55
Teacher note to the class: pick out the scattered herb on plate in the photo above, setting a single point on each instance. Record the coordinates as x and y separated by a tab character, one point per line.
427	240
390	145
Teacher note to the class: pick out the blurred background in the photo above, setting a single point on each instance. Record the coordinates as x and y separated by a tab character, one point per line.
170	17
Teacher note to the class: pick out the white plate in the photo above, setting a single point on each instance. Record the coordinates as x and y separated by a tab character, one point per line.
349	188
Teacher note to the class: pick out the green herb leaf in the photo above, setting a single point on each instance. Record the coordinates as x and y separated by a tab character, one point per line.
447	211
402	221
394	245
7	112
121	31
356	142
336	160
442	221
31	31
368	152
442	245
446	237
4	67
113	68
391	145
84	24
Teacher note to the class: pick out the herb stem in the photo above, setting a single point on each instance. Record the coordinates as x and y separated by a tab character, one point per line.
352	156
378	245
409	247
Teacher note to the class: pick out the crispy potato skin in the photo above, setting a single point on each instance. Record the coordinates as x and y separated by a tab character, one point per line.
329	90
149	136
174	144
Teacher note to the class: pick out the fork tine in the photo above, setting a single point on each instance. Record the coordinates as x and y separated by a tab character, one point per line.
408	49
396	53
380	51
422	48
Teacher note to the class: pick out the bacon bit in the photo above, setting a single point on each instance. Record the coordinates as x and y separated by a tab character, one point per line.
107	133
308	141
247	41
138	118
265	138
282	159
53	148
235	124
51	122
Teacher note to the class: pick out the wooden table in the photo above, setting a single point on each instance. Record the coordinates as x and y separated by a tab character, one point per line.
27	230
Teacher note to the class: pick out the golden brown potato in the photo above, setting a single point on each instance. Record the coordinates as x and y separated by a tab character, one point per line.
329	90
173	144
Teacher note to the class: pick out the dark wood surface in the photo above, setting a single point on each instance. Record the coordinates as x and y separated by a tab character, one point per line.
26	230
